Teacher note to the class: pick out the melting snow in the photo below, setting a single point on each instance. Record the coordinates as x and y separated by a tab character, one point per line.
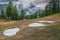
36	24
10	32
39	23
47	21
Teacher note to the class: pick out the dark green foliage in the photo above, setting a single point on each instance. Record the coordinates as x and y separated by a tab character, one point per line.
31	17
52	8
46	11
14	15
2	14
27	17
22	14
35	14
8	10
40	14
11	12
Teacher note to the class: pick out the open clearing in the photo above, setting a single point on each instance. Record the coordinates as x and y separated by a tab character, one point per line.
51	32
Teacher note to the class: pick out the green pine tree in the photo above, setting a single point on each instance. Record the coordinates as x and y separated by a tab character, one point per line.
8	10
2	14
22	14
55	6
15	13
51	8
35	15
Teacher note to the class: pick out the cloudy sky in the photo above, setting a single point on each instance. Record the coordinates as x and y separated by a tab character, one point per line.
38	3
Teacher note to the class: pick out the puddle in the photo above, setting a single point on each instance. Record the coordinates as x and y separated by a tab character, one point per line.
11	32
36	24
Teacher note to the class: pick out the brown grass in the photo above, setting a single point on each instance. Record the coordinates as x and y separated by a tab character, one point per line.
22	24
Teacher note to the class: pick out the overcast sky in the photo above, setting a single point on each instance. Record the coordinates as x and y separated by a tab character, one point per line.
39	3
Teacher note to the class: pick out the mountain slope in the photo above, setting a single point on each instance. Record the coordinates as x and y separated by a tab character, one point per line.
51	32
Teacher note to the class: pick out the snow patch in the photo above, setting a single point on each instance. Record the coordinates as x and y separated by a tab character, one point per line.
11	32
36	24
40	23
46	21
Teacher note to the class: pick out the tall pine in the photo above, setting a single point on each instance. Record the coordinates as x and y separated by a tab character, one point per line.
8	10
22	14
2	14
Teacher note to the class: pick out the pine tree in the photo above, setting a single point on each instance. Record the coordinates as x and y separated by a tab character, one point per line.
15	13
31	16
35	14
55	6
2	14
8	10
23	14
40	14
47	10
11	12
51	8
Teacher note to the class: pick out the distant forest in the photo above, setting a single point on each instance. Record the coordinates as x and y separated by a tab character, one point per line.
11	12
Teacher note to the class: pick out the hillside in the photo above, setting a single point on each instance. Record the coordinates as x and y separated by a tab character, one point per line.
50	32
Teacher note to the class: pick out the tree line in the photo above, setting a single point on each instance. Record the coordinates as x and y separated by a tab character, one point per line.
11	11
52	8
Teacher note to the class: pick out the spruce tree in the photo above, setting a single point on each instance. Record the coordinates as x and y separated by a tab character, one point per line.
15	13
2	14
55	6
11	12
35	14
8	10
51	8
31	16
22	14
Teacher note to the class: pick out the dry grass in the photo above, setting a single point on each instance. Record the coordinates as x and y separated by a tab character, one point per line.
22	24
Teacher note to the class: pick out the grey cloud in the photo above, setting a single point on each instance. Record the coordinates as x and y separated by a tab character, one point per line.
7	0
41	1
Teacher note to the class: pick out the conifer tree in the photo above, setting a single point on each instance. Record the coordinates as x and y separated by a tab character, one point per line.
11	12
15	13
22	14
2	14
8	10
